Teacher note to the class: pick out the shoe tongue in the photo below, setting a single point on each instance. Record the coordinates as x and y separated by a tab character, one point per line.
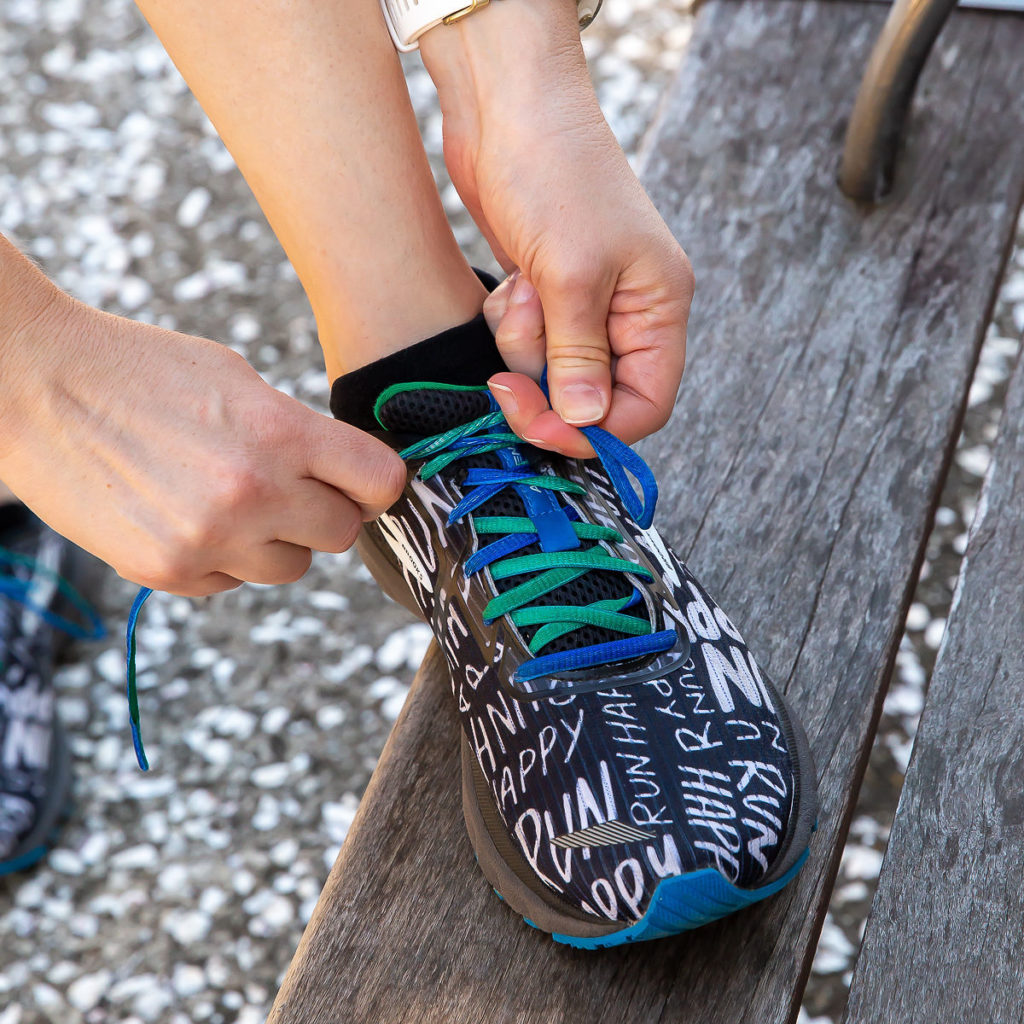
465	356
425	409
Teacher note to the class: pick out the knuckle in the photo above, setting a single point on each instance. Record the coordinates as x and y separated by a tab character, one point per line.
236	487
203	528
197	531
517	338
386	480
684	274
494	304
689	280
575	279
660	417
572	354
348	533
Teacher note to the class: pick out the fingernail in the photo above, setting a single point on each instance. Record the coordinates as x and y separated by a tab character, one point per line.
543	445
507	394
580	405
522	291
506	285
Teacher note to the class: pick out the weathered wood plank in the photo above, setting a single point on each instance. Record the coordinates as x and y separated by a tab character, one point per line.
830	357
944	941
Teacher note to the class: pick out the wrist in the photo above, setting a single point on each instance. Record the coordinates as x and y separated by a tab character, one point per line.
507	57
33	315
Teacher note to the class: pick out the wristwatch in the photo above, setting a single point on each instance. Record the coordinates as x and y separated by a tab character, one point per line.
407	20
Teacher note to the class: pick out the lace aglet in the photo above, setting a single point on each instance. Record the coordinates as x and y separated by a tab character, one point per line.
140	753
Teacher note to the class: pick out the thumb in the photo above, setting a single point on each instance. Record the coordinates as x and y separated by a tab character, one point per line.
578	351
496	302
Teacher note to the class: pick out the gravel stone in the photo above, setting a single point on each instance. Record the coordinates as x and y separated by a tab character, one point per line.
85	992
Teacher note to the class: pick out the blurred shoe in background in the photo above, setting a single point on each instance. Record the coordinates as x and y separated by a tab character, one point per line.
42	580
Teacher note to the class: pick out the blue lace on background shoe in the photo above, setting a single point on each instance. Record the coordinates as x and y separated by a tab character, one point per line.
20	590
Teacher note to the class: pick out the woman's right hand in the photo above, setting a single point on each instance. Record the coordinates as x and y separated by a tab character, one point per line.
168	456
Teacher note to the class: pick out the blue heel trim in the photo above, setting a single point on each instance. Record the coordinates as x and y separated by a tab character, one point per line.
32	857
685	902
26	860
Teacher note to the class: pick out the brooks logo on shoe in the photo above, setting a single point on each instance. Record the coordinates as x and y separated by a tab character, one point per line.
605	833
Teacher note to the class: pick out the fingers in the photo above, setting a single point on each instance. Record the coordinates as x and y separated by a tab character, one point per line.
319	517
576	309
514	313
187	571
211	583
645	389
529	415
316	518
353	462
274	562
497	302
645	346
647	327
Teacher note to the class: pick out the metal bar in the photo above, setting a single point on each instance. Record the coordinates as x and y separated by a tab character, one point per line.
1010	6
876	125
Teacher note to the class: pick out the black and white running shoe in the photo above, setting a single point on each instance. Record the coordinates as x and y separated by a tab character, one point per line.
40	607
628	770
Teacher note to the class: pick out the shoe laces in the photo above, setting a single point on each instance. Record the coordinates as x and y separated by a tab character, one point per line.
557	528
20	588
569	547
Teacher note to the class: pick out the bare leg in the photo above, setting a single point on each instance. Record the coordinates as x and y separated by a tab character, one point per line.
309	97
6	497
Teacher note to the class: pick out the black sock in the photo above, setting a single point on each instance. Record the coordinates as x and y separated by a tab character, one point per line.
465	355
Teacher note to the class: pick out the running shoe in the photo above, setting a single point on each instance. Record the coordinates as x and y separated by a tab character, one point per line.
628	771
40	610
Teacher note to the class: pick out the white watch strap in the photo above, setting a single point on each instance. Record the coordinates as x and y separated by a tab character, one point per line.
408	19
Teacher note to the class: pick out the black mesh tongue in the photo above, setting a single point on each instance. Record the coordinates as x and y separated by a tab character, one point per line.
431	410
465	355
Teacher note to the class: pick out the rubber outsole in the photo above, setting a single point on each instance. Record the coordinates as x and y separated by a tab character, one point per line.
679	904
31	858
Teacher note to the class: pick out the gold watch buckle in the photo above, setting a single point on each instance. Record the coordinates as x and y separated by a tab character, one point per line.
462	12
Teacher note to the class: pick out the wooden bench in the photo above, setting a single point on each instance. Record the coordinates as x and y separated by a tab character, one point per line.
832	350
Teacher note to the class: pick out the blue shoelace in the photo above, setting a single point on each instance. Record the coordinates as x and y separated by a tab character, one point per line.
554	526
557	529
19	590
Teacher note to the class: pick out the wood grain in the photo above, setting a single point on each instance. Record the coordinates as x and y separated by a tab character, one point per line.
831	351
944	941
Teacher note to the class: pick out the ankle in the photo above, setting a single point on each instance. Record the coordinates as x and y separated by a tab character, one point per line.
359	331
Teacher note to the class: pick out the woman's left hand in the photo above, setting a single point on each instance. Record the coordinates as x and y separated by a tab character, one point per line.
600	290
